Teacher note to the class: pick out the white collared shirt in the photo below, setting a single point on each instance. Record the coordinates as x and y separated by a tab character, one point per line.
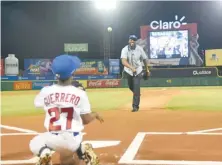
135	58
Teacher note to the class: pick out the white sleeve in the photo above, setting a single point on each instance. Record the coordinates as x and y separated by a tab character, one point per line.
124	53
39	99
85	106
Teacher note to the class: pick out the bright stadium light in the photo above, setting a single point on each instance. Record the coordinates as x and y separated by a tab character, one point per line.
105	4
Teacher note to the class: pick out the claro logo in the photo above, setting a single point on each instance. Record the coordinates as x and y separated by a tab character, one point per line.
168	25
203	72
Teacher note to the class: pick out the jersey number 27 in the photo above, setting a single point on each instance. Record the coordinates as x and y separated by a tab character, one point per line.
69	112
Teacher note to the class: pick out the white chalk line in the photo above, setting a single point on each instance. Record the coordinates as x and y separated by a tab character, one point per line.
182	133
207	130
17	129
131	151
133	148
96	144
32	160
25	134
172	162
18	134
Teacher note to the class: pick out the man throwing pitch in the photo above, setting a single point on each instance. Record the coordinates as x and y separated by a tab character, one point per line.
133	57
67	109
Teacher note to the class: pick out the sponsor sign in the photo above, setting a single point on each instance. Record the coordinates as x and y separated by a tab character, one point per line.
78	77
114	66
22	85
103	83
69	47
93	67
184	72
202	72
38	67
213	57
41	84
9	78
176	24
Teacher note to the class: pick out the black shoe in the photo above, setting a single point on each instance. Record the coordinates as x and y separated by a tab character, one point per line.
135	109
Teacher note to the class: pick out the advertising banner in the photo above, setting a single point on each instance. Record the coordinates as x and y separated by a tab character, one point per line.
184	72
93	67
103	83
9	78
69	47
22	85
2	67
77	77
38	67
94	77
42	67
41	84
33	77
114	66
213	57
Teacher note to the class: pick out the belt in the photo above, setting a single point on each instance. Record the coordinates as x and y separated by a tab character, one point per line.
74	133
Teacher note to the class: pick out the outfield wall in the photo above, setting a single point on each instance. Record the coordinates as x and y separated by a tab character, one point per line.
175	82
162	77
116	83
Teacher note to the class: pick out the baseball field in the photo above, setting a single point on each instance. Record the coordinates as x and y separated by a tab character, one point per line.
175	126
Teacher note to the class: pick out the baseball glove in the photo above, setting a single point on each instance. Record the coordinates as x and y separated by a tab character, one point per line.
78	85
146	75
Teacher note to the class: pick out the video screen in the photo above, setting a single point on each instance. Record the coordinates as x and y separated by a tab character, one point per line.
169	44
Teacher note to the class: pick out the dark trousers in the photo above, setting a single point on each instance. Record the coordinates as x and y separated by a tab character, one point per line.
134	86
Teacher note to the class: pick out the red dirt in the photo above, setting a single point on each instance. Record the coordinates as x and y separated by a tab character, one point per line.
123	125
181	147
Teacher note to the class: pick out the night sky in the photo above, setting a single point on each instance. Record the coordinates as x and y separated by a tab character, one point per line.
40	29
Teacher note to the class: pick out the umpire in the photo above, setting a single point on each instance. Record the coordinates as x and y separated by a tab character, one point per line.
133	57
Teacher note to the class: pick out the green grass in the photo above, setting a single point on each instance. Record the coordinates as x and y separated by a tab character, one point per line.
197	99
14	104
108	100
20	103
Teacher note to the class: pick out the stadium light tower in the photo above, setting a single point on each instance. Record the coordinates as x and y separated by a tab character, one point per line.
106	6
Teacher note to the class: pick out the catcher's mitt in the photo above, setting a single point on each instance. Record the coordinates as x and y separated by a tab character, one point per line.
78	85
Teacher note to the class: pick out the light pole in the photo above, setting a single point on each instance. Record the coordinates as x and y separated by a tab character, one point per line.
106	7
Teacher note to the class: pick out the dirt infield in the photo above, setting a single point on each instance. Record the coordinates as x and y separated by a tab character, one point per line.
145	135
184	147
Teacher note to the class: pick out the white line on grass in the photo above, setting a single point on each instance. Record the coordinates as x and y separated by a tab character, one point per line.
17	129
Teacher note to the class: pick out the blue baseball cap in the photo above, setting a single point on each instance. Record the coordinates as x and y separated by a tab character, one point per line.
133	37
64	66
